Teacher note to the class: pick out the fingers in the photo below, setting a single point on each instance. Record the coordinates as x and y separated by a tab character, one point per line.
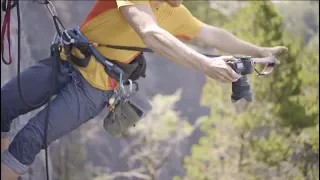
283	49
226	78
279	50
221	71
271	51
233	76
228	75
224	73
220	76
227	58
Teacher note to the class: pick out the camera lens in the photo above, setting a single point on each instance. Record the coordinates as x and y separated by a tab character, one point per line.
241	89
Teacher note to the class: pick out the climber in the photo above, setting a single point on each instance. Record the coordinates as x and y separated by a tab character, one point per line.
82	92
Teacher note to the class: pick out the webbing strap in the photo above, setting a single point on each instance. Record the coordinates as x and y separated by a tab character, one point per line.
82	39
268	68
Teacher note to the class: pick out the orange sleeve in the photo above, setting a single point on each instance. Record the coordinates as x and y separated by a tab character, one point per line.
121	3
186	25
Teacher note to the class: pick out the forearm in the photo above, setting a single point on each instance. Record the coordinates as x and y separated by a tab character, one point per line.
166	45
227	42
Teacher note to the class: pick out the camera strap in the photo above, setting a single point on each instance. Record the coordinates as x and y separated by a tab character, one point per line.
268	68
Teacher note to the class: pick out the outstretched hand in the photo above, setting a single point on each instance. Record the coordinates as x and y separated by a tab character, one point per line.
272	51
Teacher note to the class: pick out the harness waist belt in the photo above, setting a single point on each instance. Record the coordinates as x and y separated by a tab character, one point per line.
134	70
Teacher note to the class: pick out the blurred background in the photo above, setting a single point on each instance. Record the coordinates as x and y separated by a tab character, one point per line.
194	132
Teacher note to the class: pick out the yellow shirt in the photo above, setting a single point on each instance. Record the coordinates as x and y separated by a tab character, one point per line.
106	25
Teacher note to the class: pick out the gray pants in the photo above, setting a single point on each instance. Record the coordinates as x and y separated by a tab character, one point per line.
76	103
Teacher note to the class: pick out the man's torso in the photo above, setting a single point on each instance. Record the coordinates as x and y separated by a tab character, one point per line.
106	25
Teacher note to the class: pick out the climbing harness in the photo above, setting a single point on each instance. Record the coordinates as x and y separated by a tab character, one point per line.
128	107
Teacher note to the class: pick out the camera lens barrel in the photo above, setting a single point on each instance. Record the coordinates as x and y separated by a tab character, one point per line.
241	88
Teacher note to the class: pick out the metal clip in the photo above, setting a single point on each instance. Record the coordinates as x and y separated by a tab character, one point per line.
69	39
51	8
130	85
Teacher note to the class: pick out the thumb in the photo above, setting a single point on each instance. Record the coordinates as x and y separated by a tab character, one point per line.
281	49
276	50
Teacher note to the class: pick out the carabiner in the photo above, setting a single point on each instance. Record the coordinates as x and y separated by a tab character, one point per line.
130	85
51	9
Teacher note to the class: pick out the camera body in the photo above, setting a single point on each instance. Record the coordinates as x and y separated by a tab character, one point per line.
241	88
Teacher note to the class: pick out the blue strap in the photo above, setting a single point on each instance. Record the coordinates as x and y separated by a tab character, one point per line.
110	66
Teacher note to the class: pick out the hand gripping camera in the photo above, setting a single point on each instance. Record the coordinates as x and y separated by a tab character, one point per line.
245	66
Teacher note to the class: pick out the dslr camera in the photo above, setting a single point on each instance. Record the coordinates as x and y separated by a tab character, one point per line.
241	88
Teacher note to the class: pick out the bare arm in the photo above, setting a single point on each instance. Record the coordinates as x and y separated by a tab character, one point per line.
227	42
142	20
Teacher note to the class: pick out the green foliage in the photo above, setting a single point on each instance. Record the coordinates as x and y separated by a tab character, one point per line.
301	17
167	120
202	11
309	78
310	136
156	137
217	155
263	31
272	150
284	82
260	140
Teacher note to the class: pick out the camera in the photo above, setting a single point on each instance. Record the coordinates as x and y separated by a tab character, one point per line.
241	88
